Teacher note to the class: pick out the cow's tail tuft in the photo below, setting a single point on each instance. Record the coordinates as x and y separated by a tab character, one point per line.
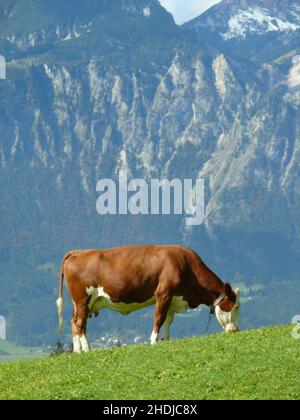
60	301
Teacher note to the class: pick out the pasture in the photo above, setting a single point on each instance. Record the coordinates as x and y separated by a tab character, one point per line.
257	364
10	352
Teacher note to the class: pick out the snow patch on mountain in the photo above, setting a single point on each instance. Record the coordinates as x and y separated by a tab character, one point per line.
258	20
294	74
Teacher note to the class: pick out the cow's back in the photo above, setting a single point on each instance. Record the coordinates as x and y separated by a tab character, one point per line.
127	274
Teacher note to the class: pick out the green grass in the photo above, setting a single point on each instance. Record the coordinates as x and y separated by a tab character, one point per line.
259	364
9	352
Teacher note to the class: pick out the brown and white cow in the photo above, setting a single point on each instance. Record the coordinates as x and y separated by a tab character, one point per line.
125	279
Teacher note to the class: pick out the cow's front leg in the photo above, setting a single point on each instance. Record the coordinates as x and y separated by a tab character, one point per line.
167	325
79	322
84	343
76	344
163	301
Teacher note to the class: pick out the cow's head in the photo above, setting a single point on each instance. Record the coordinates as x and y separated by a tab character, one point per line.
228	311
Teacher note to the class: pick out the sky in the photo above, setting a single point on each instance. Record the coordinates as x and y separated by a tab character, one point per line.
184	10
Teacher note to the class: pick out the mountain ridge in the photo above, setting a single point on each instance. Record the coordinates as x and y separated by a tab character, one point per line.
29	29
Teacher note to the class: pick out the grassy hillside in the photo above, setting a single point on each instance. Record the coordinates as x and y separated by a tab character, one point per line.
9	352
259	364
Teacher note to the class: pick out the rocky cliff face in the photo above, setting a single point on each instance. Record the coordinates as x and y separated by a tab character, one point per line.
258	41
117	85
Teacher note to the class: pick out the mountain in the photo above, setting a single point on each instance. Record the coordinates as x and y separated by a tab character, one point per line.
35	27
117	85
258	30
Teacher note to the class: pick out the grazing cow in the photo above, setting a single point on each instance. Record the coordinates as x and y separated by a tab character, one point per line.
125	279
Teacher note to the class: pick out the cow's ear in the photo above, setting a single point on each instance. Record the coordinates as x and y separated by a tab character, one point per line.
227	290
238	294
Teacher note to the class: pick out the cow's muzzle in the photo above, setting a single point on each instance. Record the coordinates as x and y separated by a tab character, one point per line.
231	329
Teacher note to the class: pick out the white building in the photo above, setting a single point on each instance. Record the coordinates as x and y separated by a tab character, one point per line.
2	67
2	328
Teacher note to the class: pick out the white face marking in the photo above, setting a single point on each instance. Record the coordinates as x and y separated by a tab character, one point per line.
230	321
153	338
84	344
76	344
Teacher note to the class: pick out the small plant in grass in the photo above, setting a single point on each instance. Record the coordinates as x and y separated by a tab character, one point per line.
61	349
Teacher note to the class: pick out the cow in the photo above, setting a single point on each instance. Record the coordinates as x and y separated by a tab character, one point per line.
125	279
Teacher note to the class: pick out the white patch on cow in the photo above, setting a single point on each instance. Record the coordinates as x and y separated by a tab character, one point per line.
178	306
84	344
101	300
153	338
76	344
230	321
226	320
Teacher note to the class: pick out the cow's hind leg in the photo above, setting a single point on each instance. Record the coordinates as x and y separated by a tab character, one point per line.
79	322
76	338
163	302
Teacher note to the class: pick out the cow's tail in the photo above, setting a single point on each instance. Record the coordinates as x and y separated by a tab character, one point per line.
60	300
